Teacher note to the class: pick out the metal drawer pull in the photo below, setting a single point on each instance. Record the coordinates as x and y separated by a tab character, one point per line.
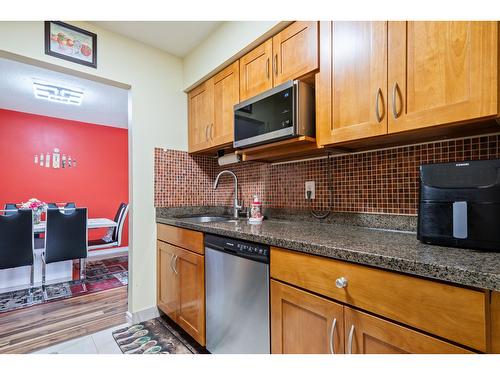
276	65
332	334
349	341
395	92
341	282
175	262
377	110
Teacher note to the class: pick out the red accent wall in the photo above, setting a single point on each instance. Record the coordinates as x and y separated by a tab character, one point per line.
98	182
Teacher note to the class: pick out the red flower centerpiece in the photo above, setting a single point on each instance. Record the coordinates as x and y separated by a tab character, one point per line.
37	206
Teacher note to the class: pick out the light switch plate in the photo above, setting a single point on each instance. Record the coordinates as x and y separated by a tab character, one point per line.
311	186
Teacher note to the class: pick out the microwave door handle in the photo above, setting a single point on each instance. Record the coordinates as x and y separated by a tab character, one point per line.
295	108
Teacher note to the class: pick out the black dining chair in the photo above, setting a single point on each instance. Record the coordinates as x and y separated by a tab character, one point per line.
65	239
16	242
10	209
114	236
68	207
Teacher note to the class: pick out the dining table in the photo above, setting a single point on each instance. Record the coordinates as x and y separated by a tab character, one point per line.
93	223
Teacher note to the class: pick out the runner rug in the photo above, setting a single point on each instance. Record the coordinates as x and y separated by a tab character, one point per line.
100	275
155	336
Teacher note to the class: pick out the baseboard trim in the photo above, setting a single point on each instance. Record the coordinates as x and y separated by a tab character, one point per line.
143	315
106	253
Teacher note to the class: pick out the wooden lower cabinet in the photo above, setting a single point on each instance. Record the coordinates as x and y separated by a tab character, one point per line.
181	288
167	291
455	313
191	275
495	322
302	323
366	334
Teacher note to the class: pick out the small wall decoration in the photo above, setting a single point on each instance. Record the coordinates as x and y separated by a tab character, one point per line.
54	160
70	43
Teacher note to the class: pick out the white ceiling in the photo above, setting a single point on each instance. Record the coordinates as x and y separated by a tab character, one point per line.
175	37
102	104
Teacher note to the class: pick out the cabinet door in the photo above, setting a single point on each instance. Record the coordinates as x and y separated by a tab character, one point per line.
226	95
295	51
167	293
191	276
495	322
441	72
366	334
200	112
302	323
353	81
255	71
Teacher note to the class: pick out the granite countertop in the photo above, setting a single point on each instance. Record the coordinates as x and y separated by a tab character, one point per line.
392	250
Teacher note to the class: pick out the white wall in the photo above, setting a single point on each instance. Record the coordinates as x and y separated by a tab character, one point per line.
159	119
227	43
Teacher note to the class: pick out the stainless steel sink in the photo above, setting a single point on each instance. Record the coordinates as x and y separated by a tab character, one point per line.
205	219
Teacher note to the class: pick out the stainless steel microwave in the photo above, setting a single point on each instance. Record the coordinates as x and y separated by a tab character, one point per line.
285	111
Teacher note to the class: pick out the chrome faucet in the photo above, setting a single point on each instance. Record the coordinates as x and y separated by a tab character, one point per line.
236	205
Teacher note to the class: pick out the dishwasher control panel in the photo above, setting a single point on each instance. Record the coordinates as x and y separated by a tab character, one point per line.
251	250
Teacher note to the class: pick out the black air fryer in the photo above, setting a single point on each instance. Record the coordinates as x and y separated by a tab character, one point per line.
460	204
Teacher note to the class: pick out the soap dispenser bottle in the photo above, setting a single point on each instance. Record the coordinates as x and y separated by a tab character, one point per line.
256	210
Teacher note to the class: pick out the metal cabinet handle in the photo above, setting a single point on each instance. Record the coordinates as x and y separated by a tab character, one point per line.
267	68
395	92
332	334
171	259
276	65
341	282
377	99
349	341
212	131
175	262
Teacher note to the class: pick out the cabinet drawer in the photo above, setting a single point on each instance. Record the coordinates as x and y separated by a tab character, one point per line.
185	238
452	312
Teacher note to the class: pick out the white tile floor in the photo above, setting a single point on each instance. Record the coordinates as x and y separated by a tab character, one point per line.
98	343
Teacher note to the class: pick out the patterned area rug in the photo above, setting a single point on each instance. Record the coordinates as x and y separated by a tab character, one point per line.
155	336
101	275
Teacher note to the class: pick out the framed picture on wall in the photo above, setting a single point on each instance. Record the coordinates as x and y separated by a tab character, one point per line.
70	43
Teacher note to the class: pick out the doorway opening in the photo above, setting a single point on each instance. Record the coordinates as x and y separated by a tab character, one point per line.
64	147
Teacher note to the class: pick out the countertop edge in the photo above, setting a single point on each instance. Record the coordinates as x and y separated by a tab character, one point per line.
394	264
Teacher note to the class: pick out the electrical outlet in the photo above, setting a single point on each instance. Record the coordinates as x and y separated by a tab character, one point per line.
311	186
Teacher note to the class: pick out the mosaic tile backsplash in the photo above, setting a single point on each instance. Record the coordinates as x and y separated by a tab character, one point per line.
380	181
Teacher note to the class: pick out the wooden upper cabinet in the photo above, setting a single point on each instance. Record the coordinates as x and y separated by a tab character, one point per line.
352	85
295	51
255	71
167	282
366	334
302	323
441	72
226	95
200	116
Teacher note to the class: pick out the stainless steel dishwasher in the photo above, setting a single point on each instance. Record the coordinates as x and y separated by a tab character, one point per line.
237	293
